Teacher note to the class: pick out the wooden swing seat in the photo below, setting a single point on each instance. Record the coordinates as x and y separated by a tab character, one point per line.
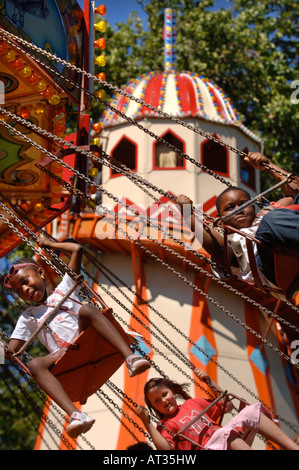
287	270
286	266
88	363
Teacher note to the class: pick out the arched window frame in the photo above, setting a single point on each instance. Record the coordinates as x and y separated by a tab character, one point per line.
182	167
112	175
227	173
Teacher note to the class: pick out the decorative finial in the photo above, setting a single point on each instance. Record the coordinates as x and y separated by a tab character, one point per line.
169	40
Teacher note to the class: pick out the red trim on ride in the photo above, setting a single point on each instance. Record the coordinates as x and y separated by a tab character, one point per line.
153	93
187	94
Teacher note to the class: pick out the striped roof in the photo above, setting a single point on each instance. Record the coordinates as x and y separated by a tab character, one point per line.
179	94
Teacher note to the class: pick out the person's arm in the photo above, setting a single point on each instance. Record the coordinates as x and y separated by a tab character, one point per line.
262	163
204	377
74	249
210	239
159	441
14	345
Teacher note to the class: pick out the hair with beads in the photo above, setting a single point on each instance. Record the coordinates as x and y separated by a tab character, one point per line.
22	263
27	260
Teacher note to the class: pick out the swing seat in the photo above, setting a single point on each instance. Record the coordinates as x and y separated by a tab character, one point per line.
285	262
286	270
88	363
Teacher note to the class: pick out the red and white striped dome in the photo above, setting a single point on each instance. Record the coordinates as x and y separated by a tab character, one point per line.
179	94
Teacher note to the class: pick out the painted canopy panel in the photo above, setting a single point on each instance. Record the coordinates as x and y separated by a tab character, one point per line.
32	90
56	26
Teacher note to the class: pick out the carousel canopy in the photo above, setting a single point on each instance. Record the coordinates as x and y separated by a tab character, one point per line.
182	94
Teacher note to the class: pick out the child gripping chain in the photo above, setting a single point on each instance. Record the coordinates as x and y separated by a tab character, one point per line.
27	279
161	396
275	228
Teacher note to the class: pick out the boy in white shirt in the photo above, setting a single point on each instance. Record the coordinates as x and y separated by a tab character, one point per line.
277	227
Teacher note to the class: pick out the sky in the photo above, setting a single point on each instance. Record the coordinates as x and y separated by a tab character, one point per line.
119	10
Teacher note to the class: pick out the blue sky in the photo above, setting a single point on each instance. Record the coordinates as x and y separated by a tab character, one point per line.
119	10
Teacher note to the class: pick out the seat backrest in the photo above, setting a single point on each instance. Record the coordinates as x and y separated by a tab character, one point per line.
286	270
286	264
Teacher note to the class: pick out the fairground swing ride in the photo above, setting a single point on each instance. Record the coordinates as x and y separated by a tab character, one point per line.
162	134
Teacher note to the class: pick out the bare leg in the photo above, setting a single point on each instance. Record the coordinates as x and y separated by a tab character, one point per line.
90	316
39	368
237	443
272	432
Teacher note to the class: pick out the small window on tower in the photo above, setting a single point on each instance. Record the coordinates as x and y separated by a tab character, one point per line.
166	157
215	157
124	152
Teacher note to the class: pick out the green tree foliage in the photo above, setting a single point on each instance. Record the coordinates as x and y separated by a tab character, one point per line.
249	48
19	423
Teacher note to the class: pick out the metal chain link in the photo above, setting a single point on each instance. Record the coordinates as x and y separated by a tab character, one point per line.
275	413
176	349
212	139
137	213
128	207
39	412
94	78
88	75
89	181
135	123
212	300
221	367
127	401
120	393
100	392
194	344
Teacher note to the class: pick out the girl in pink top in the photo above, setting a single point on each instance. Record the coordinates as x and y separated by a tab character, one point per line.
161	397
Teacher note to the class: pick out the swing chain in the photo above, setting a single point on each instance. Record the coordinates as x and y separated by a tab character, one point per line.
131	97
120	410
127	95
111	196
40	413
211	137
128	207
209	297
195	287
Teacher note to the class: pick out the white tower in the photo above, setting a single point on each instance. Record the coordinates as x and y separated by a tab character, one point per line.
191	98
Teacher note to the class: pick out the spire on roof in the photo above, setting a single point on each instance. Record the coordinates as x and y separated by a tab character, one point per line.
169	40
